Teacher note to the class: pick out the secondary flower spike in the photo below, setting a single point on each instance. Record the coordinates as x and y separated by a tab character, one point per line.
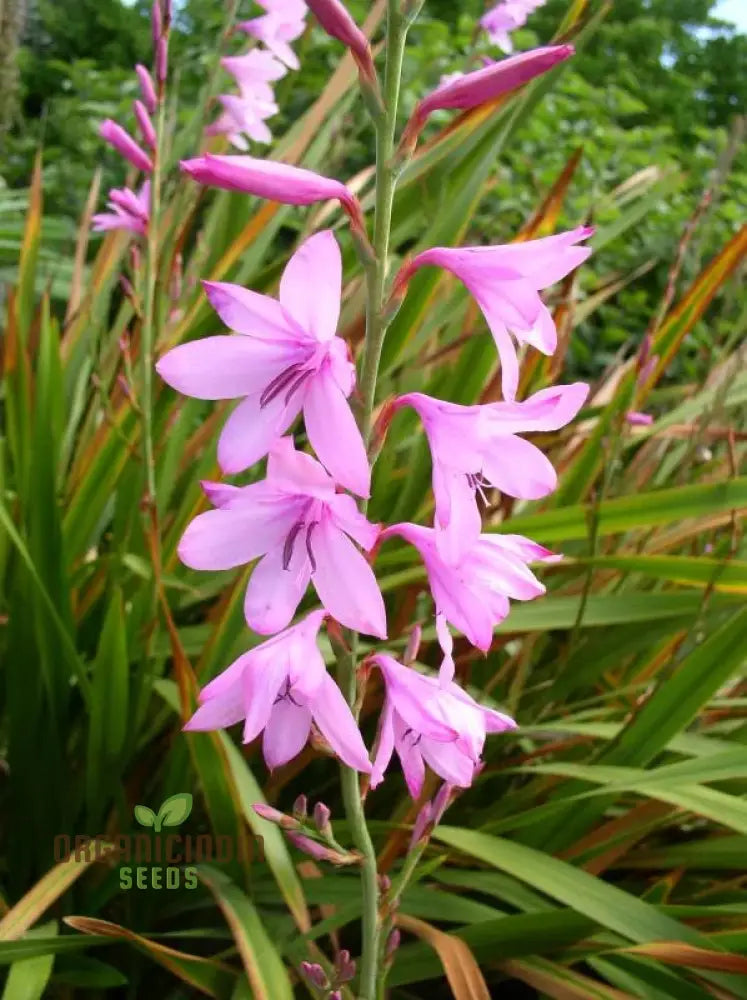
272	180
284	358
303	529
283	23
477	447
484	85
125	145
129	211
431	723
281	687
472	591
506	281
506	17
337	22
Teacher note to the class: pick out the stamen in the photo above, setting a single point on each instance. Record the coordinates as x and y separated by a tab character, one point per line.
479	484
309	551
297	384
290	541
279	383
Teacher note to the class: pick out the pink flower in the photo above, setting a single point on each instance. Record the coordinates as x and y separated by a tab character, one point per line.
505	17
281	687
146	88
253	68
244	114
636	419
125	145
506	281
129	211
431	723
284	358
145	124
337	22
302	527
272	180
284	21
474	447
484	85
472	591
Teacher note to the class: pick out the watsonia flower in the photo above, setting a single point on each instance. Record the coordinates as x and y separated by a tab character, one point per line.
505	17
506	281
284	358
428	722
302	528
284	21
474	448
128	211
281	687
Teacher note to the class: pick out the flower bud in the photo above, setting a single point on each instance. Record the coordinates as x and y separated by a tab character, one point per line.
162	60
145	124
300	808
319	852
392	943
422	826
156	21
275	816
344	966
315	974
321	819
647	370
335	995
146	88
413	645
125	145
636	419
338	23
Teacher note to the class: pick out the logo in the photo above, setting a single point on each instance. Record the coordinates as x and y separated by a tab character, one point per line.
157	857
173	812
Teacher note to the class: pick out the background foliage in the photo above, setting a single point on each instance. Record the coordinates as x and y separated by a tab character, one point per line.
601	853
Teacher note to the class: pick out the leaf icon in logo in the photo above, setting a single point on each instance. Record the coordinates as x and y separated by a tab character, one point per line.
145	816
174	810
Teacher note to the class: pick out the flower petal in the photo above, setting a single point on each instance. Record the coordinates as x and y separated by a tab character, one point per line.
410	757
286	732
336	723
221	367
251	430
520	469
250	313
222	539
384	745
334	434
449	761
274	593
345	583
311	285
262	682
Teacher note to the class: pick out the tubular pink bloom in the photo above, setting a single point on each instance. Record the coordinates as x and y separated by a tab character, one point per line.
272	180
145	124
506	281
146	88
281	687
254	67
303	528
162	59
474	447
284	22
636	419
125	145
483	85
505	17
337	22
286	359
129	211
472	591
431	723
244	114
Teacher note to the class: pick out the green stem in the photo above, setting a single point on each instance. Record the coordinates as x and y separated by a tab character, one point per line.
376	325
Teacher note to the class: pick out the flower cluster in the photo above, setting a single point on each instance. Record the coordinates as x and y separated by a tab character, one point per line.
505	17
246	113
284	359
130	210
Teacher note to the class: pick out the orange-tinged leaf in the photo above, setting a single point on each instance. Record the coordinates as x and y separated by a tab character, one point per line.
561	983
544	220
461	968
679	954
49	888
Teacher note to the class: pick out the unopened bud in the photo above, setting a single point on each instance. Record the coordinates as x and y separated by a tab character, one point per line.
321	819
647	370
319	852
275	816
344	966
300	807
146	88
335	995
392	943
126	285
315	974
413	645
644	351
145	124
385	884
423	823
444	797
162	60
156	21
636	419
